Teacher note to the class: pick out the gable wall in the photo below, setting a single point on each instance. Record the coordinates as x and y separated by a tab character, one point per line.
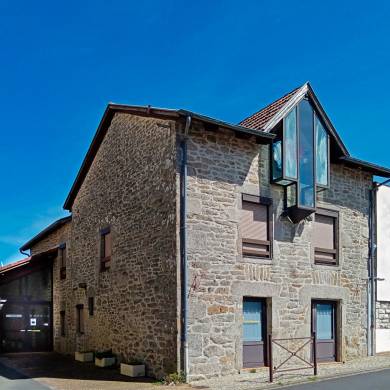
58	236
130	187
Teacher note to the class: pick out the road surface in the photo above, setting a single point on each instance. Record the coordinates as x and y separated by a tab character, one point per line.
13	380
379	380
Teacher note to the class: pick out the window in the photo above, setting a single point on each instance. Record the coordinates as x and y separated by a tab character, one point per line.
300	158
306	190
255	226
62	322
91	306
326	237
322	154
62	257
290	137
105	249
80	318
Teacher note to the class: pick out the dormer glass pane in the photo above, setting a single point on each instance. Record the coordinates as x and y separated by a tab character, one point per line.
322	154
277	172
306	185
290	139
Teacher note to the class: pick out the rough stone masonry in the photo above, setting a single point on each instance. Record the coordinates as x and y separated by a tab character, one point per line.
221	168
133	187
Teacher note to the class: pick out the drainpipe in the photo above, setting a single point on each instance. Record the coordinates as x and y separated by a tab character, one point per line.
370	287
372	277
183	246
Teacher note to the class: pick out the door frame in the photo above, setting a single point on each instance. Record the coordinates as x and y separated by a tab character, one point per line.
264	327
335	322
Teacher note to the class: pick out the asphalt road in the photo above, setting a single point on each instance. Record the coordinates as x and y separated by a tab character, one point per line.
379	380
13	380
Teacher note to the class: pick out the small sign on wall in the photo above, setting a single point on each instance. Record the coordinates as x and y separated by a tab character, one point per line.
33	322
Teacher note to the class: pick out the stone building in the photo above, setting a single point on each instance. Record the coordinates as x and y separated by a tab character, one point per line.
191	239
381	283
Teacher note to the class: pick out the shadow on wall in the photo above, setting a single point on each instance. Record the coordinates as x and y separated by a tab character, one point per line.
52	365
226	160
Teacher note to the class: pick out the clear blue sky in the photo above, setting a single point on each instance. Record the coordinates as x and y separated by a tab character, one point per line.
62	62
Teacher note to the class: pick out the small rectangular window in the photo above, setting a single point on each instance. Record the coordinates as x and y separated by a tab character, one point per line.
105	249
326	238
62	323
62	257
255	227
91	305
80	318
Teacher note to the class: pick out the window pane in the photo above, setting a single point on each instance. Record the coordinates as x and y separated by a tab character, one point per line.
277	160
322	163
306	155
324	321
252	320
290	139
291	193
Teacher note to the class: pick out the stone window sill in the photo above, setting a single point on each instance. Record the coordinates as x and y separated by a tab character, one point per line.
332	267
256	260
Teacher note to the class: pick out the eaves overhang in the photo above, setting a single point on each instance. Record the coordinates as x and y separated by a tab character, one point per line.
374	169
148	111
45	232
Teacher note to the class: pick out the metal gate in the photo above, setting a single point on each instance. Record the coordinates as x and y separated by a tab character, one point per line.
311	341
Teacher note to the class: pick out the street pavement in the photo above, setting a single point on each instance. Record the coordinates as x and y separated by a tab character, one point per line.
379	380
13	380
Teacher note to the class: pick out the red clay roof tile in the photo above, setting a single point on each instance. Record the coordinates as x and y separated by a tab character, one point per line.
259	119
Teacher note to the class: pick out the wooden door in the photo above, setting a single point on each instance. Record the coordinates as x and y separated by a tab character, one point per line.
324	324
254	331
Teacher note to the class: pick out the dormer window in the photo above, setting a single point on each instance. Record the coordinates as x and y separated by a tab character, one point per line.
300	159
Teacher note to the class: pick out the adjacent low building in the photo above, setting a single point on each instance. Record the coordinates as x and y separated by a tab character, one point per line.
191	239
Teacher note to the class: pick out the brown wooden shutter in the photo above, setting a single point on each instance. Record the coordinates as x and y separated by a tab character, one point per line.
107	245
62	320
80	318
62	256
324	239
105	248
254	229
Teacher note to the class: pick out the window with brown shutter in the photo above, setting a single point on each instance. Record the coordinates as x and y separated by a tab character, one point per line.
62	257
105	249
80	318
255	226
91	305
62	324
326	237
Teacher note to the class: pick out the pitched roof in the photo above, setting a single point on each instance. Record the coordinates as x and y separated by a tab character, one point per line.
45	232
269	116
155	112
259	119
47	255
15	264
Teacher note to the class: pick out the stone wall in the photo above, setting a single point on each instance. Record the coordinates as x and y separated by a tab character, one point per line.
221	168
58	236
130	187
383	315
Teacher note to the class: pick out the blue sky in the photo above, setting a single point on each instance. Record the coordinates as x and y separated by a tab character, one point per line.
62	62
